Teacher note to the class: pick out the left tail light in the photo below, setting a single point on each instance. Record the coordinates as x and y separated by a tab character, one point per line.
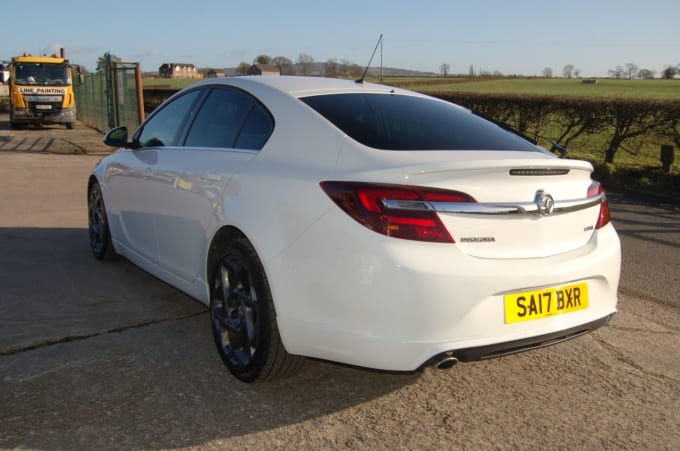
395	210
605	217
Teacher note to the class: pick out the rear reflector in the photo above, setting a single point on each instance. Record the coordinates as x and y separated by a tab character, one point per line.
395	210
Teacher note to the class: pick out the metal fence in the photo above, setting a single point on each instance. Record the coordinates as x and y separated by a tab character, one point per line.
91	101
111	97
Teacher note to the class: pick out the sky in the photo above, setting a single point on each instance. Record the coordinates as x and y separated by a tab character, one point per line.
513	37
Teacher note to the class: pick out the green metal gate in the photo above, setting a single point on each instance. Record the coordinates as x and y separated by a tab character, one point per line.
111	97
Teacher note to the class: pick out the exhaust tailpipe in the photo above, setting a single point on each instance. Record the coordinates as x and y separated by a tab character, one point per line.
445	362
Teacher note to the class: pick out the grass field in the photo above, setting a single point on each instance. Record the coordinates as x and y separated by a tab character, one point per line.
169	83
654	89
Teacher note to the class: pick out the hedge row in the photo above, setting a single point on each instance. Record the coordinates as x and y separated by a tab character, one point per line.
619	121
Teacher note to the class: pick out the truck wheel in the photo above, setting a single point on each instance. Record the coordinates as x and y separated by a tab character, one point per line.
70	125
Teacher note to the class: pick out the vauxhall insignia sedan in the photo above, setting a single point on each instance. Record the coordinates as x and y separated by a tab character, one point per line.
356	223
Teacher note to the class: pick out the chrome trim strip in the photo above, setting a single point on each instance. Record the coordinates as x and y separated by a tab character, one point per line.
396	204
472	208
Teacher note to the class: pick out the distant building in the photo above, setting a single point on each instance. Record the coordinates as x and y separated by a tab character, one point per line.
213	73
178	70
231	72
4	73
264	69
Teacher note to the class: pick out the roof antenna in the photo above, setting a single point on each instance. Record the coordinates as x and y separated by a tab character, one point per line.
361	80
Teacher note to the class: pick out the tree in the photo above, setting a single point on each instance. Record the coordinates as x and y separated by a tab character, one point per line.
355	70
547	72
568	71
444	69
573	118
669	72
471	71
332	68
629	120
284	64
631	71
306	62
577	73
616	73
81	69
646	74
101	61
242	68
672	130
263	59
344	70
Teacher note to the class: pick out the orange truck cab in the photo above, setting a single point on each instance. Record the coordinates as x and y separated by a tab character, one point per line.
41	91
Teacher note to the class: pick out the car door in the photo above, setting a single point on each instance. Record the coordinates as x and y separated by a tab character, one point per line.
190	180
133	184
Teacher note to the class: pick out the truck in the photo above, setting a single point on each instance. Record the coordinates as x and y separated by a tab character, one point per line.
41	91
4	83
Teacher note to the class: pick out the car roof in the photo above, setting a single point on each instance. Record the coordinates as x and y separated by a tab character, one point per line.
299	86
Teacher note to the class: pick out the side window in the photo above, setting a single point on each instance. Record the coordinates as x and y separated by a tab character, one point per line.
220	118
256	130
165	127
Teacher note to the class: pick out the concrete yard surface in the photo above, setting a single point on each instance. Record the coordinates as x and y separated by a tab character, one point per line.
104	356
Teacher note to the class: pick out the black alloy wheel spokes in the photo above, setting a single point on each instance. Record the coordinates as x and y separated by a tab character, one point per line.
97	223
235	312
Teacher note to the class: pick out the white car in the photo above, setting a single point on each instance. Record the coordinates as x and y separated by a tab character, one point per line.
357	223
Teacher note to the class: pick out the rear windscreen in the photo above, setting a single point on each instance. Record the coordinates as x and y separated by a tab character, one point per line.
398	122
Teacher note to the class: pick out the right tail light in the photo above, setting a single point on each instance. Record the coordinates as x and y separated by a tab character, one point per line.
395	210
605	217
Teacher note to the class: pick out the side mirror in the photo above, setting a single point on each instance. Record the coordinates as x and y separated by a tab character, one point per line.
116	137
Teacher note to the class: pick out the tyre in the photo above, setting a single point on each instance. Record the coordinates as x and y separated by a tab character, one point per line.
243	319
70	125
98	226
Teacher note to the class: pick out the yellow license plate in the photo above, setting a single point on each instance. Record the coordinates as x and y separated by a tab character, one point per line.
546	302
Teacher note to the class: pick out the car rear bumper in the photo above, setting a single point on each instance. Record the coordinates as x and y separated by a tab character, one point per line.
525	344
395	304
